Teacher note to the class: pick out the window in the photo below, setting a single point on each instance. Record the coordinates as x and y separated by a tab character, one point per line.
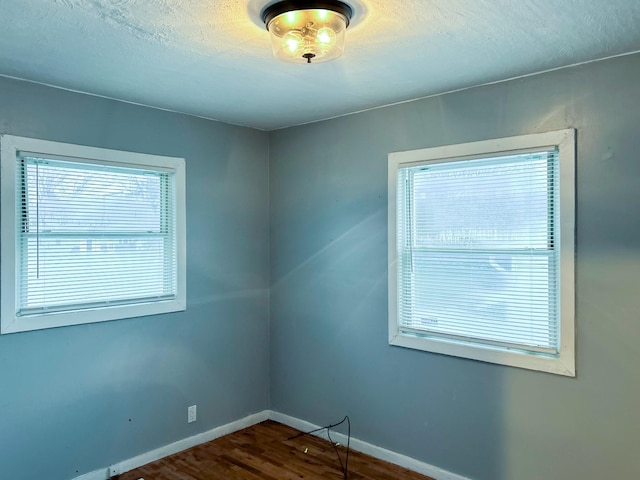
89	234
481	247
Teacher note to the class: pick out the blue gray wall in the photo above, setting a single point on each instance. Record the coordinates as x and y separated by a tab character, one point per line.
79	398
329	351
75	399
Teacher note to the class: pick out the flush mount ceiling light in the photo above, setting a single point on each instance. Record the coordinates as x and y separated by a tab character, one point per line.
307	31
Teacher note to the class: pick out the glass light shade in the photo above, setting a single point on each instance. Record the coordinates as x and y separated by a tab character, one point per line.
308	36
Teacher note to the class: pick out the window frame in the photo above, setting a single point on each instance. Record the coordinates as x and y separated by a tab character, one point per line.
10	146
564	362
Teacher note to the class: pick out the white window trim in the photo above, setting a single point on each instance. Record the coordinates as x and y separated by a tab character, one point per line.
10	145
564	362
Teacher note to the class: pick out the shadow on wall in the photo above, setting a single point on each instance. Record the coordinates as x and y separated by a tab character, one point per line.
330	352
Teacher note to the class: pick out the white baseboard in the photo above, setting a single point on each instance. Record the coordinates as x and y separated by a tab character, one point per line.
302	425
369	449
100	474
175	447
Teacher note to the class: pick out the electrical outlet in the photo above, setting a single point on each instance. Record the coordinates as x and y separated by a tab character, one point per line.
191	414
114	471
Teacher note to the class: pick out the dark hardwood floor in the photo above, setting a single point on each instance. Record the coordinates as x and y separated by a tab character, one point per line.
263	451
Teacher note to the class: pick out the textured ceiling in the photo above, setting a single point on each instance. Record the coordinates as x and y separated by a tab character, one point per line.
213	58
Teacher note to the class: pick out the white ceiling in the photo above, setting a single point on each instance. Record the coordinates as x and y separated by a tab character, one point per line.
213	58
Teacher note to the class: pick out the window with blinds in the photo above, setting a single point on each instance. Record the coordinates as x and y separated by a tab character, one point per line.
96	234
481	253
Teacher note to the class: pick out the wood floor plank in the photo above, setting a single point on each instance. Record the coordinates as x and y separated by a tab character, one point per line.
266	451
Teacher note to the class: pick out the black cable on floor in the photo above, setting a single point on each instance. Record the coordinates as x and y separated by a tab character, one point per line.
344	467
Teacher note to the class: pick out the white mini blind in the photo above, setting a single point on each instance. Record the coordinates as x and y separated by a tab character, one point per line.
477	250
93	234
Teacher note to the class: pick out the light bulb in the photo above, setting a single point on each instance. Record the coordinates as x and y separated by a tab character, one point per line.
292	42
323	14
292	17
326	36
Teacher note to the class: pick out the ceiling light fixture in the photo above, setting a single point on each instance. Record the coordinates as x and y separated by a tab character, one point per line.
306	31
